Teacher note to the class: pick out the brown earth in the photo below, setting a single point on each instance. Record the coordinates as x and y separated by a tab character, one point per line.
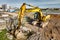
50	32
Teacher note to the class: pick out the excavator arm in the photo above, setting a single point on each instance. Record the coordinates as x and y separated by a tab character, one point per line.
23	9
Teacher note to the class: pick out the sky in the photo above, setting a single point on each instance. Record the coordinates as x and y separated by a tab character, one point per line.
39	3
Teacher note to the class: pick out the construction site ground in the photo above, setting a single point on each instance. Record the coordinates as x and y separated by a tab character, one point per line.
50	32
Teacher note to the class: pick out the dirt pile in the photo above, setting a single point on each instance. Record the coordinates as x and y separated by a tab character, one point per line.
50	32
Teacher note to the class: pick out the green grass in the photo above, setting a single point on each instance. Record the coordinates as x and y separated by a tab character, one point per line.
3	35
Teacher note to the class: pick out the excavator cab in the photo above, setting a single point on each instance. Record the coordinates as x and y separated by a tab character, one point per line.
36	15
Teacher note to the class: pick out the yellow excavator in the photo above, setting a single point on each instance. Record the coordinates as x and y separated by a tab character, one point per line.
39	15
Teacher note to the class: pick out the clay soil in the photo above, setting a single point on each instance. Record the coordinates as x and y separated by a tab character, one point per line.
52	30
